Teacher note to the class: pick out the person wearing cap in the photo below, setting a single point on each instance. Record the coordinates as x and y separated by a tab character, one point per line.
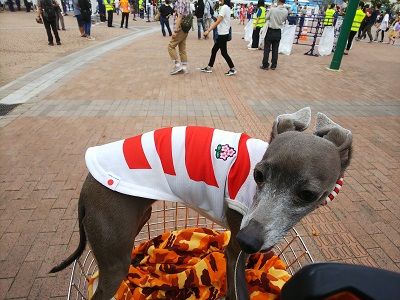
276	17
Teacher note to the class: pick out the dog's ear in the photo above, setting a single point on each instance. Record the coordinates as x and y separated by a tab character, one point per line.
299	121
341	137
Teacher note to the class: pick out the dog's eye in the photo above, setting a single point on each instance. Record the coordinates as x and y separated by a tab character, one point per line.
307	196
258	176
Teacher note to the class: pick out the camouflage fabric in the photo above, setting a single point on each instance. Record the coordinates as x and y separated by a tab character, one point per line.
190	264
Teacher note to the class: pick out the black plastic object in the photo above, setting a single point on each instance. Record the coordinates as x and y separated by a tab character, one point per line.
323	280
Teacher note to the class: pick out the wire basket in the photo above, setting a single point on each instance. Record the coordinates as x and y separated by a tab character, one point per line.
172	216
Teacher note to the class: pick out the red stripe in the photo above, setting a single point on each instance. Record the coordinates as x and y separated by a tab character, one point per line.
339	182
198	154
331	196
240	169
336	190
134	154
163	143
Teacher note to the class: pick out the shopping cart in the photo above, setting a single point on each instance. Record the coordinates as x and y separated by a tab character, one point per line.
172	216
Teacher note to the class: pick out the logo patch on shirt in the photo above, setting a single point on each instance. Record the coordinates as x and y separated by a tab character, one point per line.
224	152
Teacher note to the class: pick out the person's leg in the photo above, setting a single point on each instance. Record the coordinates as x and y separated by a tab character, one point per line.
61	18
168	28
368	29
48	31
162	22
350	39
127	20
198	28
376	34
109	18
224	52
214	52
256	38
58	20
275	48
267	49
55	31
382	35
182	47
172	48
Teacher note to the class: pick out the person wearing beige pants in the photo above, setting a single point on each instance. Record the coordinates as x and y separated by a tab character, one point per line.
178	38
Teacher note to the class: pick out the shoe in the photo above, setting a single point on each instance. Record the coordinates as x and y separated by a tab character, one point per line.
273	68
90	38
231	72
59	43
51	44
126	27
83	35
207	69
358	39
252	49
264	67
371	41
121	27
177	69
380	41
345	53
63	29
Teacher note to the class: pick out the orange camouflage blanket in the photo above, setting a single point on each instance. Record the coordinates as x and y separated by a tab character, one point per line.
190	264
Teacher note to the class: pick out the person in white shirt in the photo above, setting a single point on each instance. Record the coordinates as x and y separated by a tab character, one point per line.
223	25
382	28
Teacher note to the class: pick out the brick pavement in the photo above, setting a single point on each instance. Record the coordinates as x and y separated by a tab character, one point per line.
42	146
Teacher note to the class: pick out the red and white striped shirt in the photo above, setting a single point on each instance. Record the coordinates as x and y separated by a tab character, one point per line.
204	168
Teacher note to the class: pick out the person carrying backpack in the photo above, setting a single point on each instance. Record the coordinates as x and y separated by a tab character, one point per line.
183	21
47	12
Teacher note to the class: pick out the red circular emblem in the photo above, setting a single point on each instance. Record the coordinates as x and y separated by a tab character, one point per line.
110	182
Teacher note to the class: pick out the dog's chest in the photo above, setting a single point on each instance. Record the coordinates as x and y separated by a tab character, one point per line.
197	166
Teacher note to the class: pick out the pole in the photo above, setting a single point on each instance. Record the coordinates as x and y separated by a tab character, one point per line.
344	34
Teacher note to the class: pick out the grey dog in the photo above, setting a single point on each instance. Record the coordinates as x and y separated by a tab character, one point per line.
295	175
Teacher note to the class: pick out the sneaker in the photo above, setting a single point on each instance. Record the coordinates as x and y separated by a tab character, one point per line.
59	43
90	38
264	67
252	49
231	72
177	69
207	69
51	44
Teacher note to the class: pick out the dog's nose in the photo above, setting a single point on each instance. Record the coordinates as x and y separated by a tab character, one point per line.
249	237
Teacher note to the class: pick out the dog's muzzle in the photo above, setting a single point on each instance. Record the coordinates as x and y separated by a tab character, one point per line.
249	237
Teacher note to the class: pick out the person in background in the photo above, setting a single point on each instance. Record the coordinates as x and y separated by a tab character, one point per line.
86	15
293	13
47	12
165	12
242	14
370	20
258	23
383	27
199	12
102	11
78	16
208	14
223	24
60	18
178	39
276	16
250	10
394	31
125	9
355	26
329	15
109	4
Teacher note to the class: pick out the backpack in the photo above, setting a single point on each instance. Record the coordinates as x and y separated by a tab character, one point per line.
187	22
49	12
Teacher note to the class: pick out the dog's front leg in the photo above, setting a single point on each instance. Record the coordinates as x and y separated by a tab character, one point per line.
235	261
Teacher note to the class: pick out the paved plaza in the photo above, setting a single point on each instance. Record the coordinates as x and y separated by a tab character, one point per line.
85	93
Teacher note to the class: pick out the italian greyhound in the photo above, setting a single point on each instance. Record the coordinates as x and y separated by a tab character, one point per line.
292	176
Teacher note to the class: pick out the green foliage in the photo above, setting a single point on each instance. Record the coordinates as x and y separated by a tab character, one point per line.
386	4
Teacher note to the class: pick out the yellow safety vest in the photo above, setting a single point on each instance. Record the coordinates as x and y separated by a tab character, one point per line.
328	21
357	20
109	6
261	18
141	4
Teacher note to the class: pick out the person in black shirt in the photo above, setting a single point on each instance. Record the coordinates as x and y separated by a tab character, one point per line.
199	12
165	12
369	22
